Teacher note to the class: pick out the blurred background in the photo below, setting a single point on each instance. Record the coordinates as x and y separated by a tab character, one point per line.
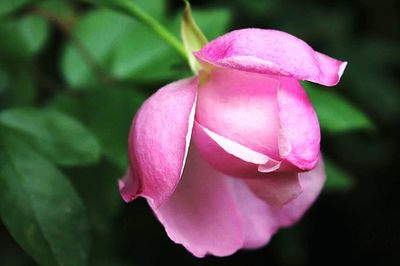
72	76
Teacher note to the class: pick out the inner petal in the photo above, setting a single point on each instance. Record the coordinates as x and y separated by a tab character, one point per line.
242	107
225	155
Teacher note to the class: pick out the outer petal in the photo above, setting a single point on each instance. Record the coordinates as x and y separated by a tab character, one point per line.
300	133
158	142
128	186
203	214
271	52
242	107
211	213
311	183
261	220
276	189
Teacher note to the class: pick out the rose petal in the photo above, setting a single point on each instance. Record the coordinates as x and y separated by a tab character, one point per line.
211	213
242	107
299	139
236	160
259	219
128	185
158	142
271	52
202	213
276	189
312	183
262	220
226	155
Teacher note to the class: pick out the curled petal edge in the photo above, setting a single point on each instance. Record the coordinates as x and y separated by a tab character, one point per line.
158	150
271	52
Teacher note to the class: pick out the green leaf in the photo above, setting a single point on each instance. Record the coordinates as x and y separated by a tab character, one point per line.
23	37
100	210
8	6
335	113
61	138
40	207
157	8
337	178
92	48
193	38
142	56
62	9
17	85
34	31
110	122
126	49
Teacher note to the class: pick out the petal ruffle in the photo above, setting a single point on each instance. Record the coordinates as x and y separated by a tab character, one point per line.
258	217
202	213
242	107
262	220
299	138
212	213
276	189
159	141
271	52
312	183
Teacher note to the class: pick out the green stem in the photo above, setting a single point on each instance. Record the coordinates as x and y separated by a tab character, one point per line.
130	8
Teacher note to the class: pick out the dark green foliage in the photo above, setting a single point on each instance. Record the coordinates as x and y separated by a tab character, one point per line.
73	74
40	208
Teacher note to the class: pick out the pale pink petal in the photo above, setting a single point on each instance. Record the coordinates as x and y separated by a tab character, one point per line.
211	213
235	160
226	155
128	185
276	189
271	52
159	141
312	183
270	166
202	214
242	107
259	219
299	137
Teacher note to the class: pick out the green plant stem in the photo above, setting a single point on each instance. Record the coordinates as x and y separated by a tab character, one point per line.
130	8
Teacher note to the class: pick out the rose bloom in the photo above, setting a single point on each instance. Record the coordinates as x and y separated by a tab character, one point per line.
228	157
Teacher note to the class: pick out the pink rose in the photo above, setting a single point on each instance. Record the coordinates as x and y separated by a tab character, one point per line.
228	157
